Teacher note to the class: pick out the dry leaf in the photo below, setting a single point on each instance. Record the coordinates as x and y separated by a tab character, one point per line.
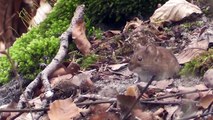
41	13
63	110
132	91
117	66
7	115
186	109
163	84
171	110
206	101
99	112
61	70
140	115
193	50
111	33
133	24
79	37
174	10
191	96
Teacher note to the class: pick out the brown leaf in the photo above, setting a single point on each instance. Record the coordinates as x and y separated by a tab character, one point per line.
206	101
7	115
186	109
174	10
59	80
163	84
111	33
139	114
133	24
63	110
193	50
99	112
132	91
171	110
191	96
80	39
104	116
61	70
73	68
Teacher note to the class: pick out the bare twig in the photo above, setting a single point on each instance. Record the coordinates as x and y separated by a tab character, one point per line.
43	76
137	100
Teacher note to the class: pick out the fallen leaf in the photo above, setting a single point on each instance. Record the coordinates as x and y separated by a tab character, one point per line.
206	101
63	110
7	115
133	24
61	70
186	109
194	49
163	84
191	96
79	37
132	91
174	10
41	13
73	68
118	66
139	114
99	112
58	80
171	110
111	33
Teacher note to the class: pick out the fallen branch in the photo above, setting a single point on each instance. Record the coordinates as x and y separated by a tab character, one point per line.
42	77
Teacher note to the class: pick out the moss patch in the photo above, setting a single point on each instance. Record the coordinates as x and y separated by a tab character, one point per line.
199	65
40	44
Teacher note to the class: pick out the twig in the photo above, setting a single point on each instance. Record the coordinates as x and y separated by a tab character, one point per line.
43	76
177	94
196	116
137	100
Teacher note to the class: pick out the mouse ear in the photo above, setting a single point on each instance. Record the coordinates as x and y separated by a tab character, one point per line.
151	49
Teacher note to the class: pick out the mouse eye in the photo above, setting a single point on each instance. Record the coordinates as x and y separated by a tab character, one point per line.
140	58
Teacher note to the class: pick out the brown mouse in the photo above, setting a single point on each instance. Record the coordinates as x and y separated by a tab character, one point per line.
151	60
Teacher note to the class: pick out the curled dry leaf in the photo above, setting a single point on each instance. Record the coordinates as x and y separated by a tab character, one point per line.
132	25
117	66
193	50
206	101
41	13
174	10
63	110
79	37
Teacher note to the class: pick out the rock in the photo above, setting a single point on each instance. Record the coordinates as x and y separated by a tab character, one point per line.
208	78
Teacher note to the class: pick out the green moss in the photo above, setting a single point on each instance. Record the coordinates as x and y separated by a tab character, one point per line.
88	60
199	65
40	44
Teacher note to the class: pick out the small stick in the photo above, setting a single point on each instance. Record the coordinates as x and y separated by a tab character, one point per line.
137	100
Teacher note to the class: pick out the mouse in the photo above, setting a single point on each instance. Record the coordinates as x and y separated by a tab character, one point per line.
148	61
